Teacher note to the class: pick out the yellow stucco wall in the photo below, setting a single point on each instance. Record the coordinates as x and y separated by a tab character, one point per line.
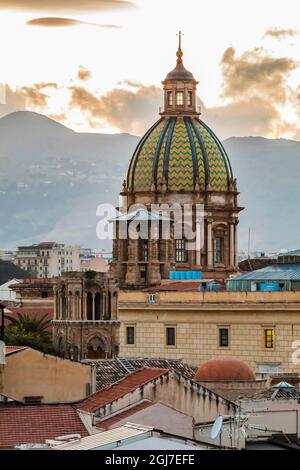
197	317
31	373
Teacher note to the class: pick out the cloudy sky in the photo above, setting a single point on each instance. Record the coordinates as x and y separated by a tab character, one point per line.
97	65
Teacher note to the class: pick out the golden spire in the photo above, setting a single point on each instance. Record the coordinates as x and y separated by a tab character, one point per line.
179	52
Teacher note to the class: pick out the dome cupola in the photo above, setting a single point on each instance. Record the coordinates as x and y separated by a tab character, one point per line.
179	89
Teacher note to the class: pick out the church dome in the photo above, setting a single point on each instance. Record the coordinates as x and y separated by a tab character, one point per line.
224	368
179	151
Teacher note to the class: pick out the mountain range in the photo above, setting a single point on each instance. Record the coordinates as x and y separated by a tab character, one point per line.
52	179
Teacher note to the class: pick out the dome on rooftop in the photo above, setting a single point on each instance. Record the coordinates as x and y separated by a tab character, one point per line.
224	368
180	151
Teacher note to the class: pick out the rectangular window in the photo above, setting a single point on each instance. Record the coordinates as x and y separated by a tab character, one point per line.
269	338
130	335
170	98
170	336
179	98
180	251
223	337
190	98
219	249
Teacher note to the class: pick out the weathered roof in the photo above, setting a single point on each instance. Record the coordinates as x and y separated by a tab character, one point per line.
120	389
276	272
106	438
32	424
141	215
253	264
110	371
107	423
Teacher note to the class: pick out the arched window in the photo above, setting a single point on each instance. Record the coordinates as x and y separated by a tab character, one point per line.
63	306
98	306
219	250
89	306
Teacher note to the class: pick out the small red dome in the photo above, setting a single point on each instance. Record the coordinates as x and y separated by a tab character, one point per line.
227	368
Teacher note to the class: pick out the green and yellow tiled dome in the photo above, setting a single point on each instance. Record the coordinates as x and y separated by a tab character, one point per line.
179	151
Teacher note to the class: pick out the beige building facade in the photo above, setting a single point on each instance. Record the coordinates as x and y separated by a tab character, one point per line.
30	376
262	329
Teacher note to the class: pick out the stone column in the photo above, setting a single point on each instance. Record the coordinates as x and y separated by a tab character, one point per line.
84	306
132	273
231	244
235	243
209	244
198	243
103	300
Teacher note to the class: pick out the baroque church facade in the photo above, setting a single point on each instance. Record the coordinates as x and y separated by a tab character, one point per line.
178	160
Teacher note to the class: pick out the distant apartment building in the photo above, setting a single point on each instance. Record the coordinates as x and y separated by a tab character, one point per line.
7	255
48	259
93	260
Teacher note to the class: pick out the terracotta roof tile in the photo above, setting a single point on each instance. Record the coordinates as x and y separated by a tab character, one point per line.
13	349
32	424
118	390
110	371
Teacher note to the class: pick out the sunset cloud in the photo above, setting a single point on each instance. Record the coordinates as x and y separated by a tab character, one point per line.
279	33
128	110
64	6
83	73
58	22
254	73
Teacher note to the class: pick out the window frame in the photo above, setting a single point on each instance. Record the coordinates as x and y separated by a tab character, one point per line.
179	102
180	250
220	328
127	328
167	328
266	340
170	100
219	250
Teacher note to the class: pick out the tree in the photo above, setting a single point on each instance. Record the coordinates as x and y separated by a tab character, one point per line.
29	331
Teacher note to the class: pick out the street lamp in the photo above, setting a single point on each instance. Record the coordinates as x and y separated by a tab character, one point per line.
2	307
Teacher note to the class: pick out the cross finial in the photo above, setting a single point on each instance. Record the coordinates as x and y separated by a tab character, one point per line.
179	52
180	34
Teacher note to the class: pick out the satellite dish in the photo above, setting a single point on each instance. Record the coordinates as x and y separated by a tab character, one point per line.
217	426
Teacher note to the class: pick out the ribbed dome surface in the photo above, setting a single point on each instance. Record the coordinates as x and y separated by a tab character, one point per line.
179	150
224	368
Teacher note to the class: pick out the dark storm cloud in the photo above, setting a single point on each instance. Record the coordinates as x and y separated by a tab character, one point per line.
57	22
64	5
280	33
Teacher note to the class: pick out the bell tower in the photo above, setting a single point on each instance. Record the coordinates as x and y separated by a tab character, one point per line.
179	89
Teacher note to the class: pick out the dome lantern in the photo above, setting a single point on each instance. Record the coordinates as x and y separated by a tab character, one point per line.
179	89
